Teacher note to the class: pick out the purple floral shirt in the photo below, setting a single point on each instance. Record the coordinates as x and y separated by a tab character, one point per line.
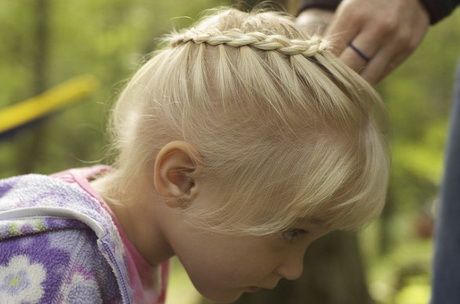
58	245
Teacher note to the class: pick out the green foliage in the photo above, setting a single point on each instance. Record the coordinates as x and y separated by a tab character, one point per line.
106	38
414	294
392	278
418	96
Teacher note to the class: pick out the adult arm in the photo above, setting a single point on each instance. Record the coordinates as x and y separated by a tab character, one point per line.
438	9
321	4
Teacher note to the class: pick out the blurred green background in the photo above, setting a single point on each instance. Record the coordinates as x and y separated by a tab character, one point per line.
46	42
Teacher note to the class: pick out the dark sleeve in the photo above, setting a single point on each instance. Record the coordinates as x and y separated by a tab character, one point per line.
324	4
438	9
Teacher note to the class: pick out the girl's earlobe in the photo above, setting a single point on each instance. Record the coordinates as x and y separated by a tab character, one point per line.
174	178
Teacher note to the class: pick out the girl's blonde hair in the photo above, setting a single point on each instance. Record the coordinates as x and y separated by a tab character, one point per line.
282	130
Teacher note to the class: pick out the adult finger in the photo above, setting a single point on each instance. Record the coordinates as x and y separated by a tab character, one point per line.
386	60
360	52
411	40
340	33
349	20
376	68
397	48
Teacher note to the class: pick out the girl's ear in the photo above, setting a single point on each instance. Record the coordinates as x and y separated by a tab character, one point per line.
173	174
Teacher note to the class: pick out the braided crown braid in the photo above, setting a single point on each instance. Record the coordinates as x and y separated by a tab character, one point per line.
237	38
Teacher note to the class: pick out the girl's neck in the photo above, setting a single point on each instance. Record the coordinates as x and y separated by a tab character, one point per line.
138	218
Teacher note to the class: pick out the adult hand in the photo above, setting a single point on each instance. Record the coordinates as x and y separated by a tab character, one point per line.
384	31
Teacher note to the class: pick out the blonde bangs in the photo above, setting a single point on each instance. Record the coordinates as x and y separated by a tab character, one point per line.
341	187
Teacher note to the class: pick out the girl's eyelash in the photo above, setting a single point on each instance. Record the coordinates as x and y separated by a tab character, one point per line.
293	234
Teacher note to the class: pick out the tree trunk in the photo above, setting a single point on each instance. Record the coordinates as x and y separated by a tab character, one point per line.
31	145
385	239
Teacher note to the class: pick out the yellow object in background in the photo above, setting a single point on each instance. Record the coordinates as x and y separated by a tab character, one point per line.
49	101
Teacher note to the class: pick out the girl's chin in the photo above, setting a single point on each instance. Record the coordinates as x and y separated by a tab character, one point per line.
227	297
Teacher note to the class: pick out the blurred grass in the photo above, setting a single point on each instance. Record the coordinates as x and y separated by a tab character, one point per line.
180	288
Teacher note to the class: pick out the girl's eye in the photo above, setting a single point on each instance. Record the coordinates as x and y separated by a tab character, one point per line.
293	234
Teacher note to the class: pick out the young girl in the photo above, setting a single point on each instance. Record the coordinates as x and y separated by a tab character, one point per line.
238	144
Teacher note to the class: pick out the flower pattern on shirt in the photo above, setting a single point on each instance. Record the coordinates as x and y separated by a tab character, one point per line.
81	286
21	280
22	254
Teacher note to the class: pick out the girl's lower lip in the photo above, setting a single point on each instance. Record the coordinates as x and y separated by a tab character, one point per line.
253	289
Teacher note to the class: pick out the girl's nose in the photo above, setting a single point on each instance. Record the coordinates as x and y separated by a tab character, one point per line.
292	268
